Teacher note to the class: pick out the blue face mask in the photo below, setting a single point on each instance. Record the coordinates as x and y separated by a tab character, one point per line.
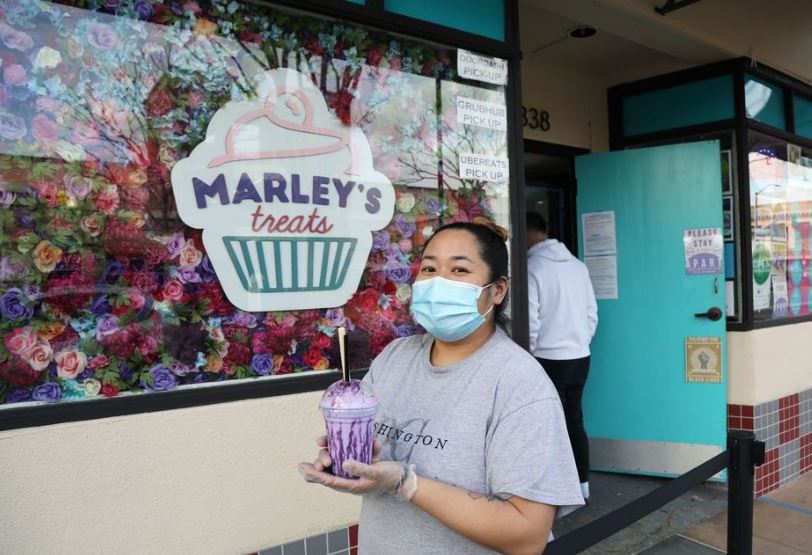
447	309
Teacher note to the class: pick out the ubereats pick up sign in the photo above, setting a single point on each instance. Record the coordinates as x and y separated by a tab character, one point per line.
286	196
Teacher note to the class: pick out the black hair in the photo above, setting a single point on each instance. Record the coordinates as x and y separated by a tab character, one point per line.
536	222
493	250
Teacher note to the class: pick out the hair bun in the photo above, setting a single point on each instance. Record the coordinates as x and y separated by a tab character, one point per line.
493	226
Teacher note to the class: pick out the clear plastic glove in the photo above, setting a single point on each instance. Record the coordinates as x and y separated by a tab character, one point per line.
379	477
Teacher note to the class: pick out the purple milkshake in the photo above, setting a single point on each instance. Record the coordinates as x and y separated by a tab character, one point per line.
349	411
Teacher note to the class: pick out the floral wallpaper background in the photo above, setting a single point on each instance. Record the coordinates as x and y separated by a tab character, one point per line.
103	290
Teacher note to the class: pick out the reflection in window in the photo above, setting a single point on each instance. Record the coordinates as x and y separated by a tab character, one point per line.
103	290
781	204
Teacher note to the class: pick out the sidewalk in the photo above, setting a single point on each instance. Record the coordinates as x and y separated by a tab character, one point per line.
612	491
696	522
782	525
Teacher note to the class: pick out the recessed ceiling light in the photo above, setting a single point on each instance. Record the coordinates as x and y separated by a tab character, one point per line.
582	32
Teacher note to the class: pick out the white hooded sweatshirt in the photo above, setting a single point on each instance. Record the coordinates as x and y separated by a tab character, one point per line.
563	311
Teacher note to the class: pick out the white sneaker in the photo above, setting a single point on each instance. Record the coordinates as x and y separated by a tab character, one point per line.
585	490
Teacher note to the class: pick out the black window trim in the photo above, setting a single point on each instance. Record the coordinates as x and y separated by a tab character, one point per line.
371	15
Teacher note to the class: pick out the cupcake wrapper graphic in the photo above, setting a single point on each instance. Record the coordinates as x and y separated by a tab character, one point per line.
289	264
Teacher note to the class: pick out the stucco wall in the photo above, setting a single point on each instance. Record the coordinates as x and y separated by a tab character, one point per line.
575	100
769	363
220	479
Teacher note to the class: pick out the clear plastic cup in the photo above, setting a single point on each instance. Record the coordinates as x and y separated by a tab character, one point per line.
349	410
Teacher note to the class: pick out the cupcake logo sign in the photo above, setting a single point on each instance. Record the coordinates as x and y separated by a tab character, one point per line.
286	196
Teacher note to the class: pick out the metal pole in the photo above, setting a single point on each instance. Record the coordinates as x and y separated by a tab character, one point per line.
745	453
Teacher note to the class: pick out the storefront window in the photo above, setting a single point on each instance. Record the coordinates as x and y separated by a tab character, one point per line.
781	205
113	126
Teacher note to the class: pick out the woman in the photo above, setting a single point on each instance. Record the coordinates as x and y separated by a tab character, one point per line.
473	454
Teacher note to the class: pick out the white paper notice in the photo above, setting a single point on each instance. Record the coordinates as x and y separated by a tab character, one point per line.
481	68
730	298
603	273
484	168
599	233
780	295
481	113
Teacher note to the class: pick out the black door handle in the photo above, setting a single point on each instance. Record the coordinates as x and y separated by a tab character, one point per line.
713	314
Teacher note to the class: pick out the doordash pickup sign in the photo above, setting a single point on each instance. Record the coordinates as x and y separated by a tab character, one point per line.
286	196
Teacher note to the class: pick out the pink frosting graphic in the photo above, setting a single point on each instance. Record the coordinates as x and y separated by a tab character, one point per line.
306	126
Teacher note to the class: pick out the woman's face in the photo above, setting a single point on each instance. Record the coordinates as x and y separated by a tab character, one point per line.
454	254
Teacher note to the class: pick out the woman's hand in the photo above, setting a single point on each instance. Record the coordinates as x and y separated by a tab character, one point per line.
378	477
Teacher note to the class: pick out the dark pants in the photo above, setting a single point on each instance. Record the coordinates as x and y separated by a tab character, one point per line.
569	378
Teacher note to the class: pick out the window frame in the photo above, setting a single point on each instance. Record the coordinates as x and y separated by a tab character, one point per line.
739	127
371	15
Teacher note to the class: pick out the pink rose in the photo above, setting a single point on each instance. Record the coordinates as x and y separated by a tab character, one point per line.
70	363
39	356
14	75
48	193
98	361
44	128
47	104
189	255
137	300
85	134
91	225
147	344
107	200
136	198
173	290
15	39
20	340
101	36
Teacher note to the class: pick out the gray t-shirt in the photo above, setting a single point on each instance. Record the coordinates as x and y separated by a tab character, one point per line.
491	424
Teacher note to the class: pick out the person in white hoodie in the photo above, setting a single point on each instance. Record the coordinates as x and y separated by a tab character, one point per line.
563	318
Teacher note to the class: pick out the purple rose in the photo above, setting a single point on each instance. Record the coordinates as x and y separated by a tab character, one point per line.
432	205
335	317
108	325
78	187
405	227
262	365
404	330
380	240
113	271
205	270
101	36
244	319
144	9
48	392
15	39
18	395
87	373
13	306
175	244
6	196
12	127
25	219
186	274
180	369
392	251
162	379
125	372
199	377
397	272
10	269
32	292
101	305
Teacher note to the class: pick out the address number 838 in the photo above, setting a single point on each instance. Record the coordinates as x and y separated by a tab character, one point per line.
535	119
